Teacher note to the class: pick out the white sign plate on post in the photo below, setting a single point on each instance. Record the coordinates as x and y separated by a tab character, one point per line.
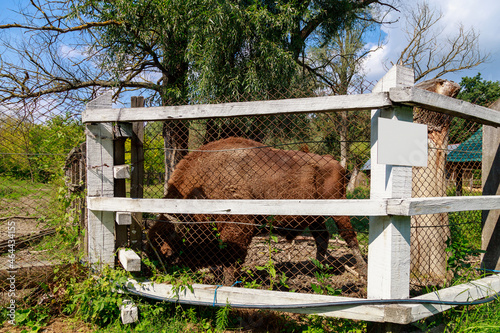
402	143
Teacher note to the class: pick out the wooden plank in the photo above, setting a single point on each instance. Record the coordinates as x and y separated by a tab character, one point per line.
123	218
200	111
467	292
137	176
491	186
357	207
389	237
130	261
100	182
121	172
435	102
100	160
435	205
391	313
249	297
123	130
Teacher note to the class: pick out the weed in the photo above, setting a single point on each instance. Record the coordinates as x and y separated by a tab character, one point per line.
34	318
323	276
269	266
96	300
222	317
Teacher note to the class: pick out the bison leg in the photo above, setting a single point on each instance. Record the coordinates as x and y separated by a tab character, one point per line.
235	239
321	237
349	235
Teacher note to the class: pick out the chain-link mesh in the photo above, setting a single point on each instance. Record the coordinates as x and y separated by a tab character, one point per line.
267	157
445	246
38	153
39	214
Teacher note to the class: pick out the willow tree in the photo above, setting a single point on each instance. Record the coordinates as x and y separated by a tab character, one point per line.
179	51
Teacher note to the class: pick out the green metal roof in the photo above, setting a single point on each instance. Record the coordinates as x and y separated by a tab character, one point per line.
468	151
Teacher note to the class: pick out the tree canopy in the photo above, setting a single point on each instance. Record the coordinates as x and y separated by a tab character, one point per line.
178	49
479	91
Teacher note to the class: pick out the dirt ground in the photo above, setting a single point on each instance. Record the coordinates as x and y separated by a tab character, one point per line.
57	325
295	270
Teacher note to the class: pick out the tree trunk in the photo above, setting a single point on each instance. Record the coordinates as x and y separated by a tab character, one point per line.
176	138
343	131
175	132
430	232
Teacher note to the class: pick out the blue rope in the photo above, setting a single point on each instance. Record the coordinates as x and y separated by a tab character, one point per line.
217	287
215	293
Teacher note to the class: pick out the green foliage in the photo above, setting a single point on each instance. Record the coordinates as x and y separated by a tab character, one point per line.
241	48
34	318
222	317
208	49
96	299
14	189
37	151
479	91
464	244
458	262
269	267
323	276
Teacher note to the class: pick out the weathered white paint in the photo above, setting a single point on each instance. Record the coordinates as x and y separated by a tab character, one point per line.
435	205
100	182
444	104
389	238
129	313
123	218
198	111
130	261
121	171
354	207
393	313
241	207
379	98
234	295
467	292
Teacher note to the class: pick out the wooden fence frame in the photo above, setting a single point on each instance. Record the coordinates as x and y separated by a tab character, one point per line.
390	206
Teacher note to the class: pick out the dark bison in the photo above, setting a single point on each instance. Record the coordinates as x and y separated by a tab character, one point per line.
237	168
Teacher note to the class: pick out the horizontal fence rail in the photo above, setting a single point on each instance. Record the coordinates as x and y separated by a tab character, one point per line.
389	208
408	96
225	110
327	207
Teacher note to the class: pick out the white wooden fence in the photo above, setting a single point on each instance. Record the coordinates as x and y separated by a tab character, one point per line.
390	206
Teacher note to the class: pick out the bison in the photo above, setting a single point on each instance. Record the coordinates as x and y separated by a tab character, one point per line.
238	168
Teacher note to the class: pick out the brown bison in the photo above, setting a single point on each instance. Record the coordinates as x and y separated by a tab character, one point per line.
237	168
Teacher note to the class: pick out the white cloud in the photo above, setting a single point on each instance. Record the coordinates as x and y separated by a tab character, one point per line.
71	52
481	16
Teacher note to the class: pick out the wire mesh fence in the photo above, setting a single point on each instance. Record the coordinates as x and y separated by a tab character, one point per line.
271	157
39	227
42	175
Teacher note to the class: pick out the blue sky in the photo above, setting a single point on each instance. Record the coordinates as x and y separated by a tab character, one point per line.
481	15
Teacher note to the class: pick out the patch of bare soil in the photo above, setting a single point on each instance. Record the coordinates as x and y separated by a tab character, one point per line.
35	204
295	270
57	325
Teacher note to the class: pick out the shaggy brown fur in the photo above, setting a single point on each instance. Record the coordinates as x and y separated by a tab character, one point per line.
234	168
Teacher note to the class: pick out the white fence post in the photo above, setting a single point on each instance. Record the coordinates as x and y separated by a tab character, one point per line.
389	239
100	183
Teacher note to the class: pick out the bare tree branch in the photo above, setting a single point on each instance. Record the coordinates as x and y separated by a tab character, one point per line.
429	54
